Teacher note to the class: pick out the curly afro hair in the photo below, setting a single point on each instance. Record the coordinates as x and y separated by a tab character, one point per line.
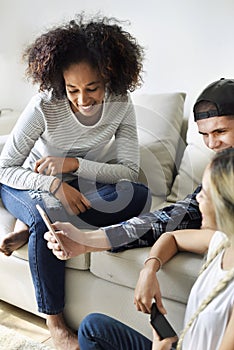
101	42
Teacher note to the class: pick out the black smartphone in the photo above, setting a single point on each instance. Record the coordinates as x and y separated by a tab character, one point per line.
161	324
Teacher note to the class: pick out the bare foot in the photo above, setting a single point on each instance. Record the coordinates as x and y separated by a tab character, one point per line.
63	337
13	241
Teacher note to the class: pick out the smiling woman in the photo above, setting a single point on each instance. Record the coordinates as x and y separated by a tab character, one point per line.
74	150
85	90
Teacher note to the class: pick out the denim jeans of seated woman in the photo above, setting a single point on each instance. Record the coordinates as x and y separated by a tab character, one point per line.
101	332
48	271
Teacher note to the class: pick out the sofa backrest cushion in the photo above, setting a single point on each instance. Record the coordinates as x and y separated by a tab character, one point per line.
159	121
195	158
3	139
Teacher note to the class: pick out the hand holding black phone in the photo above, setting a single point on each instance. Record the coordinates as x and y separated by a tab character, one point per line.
161	324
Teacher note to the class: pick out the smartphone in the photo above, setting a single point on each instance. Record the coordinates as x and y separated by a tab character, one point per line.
161	324
49	226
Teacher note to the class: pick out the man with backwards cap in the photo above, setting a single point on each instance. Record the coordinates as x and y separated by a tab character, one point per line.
214	115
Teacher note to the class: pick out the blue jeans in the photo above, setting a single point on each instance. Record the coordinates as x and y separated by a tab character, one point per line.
101	332
48	271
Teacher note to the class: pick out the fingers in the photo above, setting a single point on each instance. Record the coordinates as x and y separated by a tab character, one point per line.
160	305
36	166
52	165
49	237
72	199
85	201
46	166
143	301
159	343
83	204
47	169
80	206
143	306
174	339
53	245
40	166
156	337
140	306
60	254
51	170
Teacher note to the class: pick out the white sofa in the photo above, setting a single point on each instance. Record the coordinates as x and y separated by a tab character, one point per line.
173	158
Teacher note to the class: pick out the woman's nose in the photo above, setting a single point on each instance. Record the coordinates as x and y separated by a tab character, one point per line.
198	197
83	99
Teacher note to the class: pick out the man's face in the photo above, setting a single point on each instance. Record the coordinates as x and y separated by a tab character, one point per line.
217	132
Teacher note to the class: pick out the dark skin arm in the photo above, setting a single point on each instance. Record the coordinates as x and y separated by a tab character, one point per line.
73	201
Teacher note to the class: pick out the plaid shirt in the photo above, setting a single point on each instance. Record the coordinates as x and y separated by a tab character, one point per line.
144	230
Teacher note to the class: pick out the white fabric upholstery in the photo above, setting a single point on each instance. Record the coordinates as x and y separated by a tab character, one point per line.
7	221
3	139
176	277
195	158
7	121
159	120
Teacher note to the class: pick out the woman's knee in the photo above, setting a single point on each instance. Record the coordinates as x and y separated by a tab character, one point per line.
141	199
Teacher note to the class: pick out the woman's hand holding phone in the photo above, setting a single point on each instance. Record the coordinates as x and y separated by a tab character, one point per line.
162	344
147	288
51	228
164	336
71	238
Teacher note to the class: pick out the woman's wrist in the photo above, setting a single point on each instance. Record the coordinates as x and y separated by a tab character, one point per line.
153	263
55	186
76	164
97	241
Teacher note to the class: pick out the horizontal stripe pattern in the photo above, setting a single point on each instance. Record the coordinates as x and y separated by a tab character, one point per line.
107	151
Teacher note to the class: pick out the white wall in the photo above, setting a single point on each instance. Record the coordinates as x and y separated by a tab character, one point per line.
189	43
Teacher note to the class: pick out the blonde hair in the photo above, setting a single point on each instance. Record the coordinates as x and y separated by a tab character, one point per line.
222	194
222	190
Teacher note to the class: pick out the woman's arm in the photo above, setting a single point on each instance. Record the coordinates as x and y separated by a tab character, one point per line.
76	242
51	165
228	338
28	129
147	288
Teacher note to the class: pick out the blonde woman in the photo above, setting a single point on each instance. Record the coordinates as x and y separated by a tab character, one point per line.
213	291
209	318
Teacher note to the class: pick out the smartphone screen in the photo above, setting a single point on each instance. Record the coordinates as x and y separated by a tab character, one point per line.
49	226
161	324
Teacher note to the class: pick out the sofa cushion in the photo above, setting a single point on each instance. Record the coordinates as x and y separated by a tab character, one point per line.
195	158
3	139
8	120
7	225
159	121
80	262
176	277
7	220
